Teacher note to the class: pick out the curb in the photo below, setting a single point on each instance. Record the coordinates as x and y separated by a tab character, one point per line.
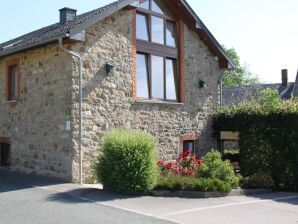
212	194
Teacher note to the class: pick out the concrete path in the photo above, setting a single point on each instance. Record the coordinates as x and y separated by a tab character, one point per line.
76	203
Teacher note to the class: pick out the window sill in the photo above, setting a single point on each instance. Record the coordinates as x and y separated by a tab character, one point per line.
10	102
161	102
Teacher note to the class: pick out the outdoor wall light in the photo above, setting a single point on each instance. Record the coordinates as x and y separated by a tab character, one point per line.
202	84
110	68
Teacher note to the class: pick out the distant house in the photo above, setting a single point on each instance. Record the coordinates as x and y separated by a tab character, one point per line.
236	95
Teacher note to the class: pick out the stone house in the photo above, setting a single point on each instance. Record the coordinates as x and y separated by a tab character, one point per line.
149	64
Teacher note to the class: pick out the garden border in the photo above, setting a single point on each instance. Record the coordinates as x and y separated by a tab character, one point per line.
211	194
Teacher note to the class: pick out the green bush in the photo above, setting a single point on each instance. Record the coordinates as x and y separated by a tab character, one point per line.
214	167
231	155
257	181
128	162
268	138
178	183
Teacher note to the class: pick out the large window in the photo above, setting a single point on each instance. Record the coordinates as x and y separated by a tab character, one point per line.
157	52
12	82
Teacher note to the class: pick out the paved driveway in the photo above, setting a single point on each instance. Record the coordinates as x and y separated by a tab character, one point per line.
26	199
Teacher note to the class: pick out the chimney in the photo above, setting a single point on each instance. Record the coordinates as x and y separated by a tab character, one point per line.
284	77
67	14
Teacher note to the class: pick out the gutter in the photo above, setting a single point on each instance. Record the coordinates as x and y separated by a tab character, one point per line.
34	45
77	55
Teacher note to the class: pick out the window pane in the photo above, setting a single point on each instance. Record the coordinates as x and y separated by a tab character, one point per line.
157	30
188	145
171	34
142	76
142	27
157	77
145	5
157	6
171	80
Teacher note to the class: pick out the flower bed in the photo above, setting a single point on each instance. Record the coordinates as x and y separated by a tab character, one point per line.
209	174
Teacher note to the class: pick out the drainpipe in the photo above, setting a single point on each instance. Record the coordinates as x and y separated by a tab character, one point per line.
77	55
221	89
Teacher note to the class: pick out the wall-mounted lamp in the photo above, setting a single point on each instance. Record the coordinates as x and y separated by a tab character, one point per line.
110	68
202	84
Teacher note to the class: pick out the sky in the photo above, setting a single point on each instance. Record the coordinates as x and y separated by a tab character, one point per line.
263	32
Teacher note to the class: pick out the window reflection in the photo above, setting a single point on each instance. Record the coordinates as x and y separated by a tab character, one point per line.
157	30
171	34
171	80
157	6
157	77
142	76
142	27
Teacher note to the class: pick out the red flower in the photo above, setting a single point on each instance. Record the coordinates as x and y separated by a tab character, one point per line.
170	165
160	163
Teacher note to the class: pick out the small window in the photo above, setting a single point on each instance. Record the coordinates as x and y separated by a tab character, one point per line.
4	155
12	83
142	27
189	145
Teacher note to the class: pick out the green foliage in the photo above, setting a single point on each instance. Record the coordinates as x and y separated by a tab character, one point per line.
268	138
214	167
240	76
231	155
257	181
178	183
269	98
128	161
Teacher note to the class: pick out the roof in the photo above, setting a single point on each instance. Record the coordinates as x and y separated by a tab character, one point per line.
236	95
51	33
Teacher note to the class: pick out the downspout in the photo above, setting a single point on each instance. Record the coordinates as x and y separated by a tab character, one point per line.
77	55
221	89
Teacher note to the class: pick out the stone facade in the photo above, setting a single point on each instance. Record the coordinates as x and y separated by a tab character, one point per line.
49	87
108	101
35	123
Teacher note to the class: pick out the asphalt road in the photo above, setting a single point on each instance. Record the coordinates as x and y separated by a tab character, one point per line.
34	200
23	204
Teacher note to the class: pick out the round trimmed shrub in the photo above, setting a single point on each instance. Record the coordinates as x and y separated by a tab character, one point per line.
128	162
214	167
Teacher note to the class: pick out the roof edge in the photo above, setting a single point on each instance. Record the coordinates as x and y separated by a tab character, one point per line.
231	64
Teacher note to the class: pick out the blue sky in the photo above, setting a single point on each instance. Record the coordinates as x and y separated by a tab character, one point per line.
263	32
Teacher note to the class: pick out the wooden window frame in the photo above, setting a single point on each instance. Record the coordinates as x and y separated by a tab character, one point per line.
7	140
9	65
167	52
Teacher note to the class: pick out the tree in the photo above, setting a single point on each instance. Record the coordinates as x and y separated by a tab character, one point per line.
240	76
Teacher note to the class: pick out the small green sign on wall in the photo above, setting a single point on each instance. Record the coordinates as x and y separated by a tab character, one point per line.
67	113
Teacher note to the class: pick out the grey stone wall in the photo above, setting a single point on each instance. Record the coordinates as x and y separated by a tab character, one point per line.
36	123
108	100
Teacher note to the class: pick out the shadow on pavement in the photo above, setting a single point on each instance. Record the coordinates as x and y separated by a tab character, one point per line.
13	181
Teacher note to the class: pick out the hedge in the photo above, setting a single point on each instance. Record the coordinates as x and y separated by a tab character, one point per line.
178	183
268	139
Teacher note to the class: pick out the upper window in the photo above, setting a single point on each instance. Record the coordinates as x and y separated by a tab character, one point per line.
157	52
155	25
12	82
